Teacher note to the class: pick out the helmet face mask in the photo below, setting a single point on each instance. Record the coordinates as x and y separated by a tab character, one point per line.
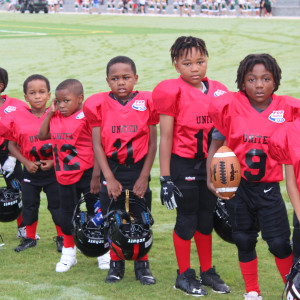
129	234
222	224
11	204
91	241
293	282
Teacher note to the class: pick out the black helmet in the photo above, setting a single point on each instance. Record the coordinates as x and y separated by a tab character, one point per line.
222	224
89	239
11	204
129	234
293	282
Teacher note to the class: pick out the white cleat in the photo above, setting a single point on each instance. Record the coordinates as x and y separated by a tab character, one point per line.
103	261
67	260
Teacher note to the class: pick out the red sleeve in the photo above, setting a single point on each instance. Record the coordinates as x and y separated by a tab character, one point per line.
92	109
279	146
165	97
7	127
153	116
219	111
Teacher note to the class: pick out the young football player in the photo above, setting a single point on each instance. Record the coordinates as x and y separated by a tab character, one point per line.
185	133
21	128
247	119
124	139
71	137
283	147
11	168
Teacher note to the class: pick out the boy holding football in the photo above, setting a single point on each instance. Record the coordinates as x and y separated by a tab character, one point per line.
185	133
247	119
124	139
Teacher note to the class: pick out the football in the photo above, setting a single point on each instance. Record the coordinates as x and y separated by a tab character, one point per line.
225	172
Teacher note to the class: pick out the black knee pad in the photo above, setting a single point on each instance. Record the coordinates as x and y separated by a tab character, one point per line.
280	247
205	222
185	226
245	242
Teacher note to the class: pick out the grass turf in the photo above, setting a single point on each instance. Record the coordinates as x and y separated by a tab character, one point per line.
79	46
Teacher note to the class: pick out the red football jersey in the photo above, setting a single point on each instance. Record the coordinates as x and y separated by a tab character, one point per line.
248	132
71	139
23	128
9	105
189	107
124	128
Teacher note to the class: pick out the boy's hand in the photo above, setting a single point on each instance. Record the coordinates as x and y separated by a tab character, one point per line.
32	166
53	106
140	186
114	188
168	188
95	184
211	187
46	165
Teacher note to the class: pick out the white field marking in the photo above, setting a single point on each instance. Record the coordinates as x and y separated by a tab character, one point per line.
163	227
58	29
23	32
61	292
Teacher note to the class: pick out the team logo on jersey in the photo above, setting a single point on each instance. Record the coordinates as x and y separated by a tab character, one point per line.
218	93
80	116
190	178
277	116
9	109
139	105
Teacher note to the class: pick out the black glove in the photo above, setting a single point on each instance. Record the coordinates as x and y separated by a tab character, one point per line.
168	188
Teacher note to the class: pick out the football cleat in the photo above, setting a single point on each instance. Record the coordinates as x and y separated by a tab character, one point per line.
67	260
104	261
116	271
59	243
143	273
21	234
25	244
188	283
212	279
252	296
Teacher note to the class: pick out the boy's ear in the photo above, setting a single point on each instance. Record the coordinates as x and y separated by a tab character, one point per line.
243	87
136	78
1	86
176	67
80	98
25	97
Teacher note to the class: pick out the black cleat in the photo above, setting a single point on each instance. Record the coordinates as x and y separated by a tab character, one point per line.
59	243
116	271
25	244
212	279
143	273
188	283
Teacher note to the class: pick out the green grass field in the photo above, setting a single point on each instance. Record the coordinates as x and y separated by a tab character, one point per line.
79	46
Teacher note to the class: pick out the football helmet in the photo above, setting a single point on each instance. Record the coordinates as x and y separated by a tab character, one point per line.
129	234
222	224
89	239
11	204
293	282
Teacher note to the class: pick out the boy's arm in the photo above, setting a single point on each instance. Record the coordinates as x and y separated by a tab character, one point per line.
292	189
44	133
31	166
95	181
114	187
165	145
214	146
141	184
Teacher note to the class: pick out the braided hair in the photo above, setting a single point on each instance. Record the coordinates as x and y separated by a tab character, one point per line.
185	44
248	63
3	78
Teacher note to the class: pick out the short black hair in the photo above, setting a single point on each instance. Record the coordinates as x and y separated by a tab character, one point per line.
123	60
248	63
3	78
186	43
73	85
35	77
